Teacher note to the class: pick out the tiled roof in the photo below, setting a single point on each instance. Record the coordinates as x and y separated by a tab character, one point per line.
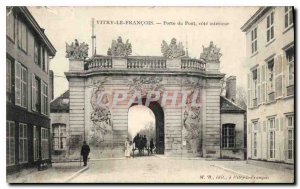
228	106
61	102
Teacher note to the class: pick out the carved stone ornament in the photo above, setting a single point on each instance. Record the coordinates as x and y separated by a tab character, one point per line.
76	50
173	50
100	115
211	53
118	48
146	84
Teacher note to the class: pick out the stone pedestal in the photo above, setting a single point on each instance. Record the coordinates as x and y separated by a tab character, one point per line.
76	65
213	66
174	63
119	62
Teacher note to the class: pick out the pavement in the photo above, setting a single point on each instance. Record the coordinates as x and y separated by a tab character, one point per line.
156	169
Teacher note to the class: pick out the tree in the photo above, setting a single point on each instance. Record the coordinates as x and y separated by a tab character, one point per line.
241	97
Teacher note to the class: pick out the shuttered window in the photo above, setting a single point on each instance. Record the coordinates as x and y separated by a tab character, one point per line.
271	124
23	143
45	143
254	40
20	85
10	24
270	27
10	143
278	76
263	83
288	16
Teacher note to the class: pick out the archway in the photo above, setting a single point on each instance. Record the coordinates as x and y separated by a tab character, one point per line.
139	118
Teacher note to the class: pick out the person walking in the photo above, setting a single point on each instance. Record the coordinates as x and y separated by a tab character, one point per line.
151	145
127	148
85	150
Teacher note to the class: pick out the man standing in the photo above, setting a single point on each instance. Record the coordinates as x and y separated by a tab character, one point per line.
85	150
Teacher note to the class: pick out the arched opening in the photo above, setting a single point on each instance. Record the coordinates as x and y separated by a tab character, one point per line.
147	121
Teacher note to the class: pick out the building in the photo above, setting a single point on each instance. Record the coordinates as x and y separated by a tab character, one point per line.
182	129
59	115
270	57
28	91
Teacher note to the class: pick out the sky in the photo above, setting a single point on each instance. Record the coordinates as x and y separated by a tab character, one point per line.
64	24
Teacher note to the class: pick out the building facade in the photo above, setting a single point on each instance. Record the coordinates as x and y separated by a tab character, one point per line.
28	91
270	58
98	112
59	115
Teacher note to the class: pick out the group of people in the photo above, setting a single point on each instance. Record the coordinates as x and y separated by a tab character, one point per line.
140	143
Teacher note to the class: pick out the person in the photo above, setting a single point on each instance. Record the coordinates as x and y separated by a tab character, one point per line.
85	150
127	148
151	145
136	141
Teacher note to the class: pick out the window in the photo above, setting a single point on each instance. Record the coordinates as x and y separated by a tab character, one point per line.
36	143
59	136
228	136
36	93
255	145
45	143
10	24
270	81
45	61
9	76
288	16
270	27
10	143
271	138
22	35
44	98
254	89
254	40
290	61
21	85
290	137
23	143
37	59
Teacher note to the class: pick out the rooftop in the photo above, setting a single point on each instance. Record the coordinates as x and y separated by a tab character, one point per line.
61	103
228	106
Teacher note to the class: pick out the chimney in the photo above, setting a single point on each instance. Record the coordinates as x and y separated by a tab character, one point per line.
231	88
51	84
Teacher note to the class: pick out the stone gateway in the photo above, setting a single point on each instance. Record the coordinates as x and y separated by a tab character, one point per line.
182	92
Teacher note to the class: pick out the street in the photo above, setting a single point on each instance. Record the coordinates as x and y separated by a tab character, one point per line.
161	169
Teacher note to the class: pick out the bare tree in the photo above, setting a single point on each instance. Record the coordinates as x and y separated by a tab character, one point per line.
241	97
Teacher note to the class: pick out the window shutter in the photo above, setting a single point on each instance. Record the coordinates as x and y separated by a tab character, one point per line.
249	90
42	97
278	76
263	83
18	83
258	85
33	92
285	75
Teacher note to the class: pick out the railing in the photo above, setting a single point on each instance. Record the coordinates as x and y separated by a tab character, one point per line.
146	63
99	63
143	62
187	63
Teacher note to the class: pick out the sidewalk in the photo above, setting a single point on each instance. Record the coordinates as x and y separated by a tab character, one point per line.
58	173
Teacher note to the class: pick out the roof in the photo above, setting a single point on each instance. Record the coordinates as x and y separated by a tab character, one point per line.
33	23
227	106
257	15
61	102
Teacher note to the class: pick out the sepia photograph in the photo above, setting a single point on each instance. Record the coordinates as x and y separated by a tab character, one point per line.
150	94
